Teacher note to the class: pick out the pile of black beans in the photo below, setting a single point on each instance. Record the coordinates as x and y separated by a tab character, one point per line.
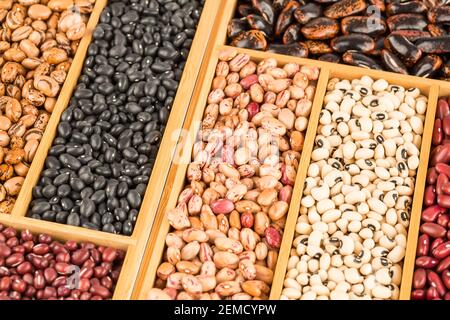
97	170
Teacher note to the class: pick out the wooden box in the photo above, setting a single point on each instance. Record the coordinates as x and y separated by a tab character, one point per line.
433	89
134	245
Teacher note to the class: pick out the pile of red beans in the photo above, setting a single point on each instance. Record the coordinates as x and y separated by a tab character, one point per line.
432	275
38	267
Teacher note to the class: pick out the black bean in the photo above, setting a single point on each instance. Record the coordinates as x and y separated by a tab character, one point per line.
97	170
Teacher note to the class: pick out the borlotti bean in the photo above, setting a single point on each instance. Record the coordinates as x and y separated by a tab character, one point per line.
431	279
227	225
38	40
350	236
36	267
97	170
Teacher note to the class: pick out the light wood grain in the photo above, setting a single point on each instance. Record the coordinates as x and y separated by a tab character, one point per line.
134	245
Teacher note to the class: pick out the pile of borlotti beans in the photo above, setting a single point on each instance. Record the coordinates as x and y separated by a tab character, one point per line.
227	226
38	267
409	37
351	235
38	40
98	168
432	275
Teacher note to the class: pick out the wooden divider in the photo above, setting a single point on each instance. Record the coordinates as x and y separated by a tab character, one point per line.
134	245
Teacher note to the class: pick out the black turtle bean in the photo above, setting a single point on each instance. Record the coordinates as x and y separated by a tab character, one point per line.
97	170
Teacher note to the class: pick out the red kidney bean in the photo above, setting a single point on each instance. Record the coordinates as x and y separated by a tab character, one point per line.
443	168
443	265
446	278
443	109
436	243
443	220
426	262
446	125
438	134
446	188
432	293
441	181
432	176
436	282
419	278
440	154
423	245
433	229
429	197
430	214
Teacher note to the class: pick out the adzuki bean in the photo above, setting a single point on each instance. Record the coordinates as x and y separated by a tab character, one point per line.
97	170
433	249
47	269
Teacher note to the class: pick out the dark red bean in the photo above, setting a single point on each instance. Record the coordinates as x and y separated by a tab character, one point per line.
429	197
436	243
109	255
443	220
39	280
443	200
446	278
433	229
443	109
441	181
426	262
100	291
49	292
12	242
432	176
80	256
5	283
50	275
86	272
418	294
14	260
28	278
443	265
442	251
438	134
18	285
44	238
41	249
430	214
435	281
24	267
84	285
432	293
5	251
63	257
85	296
419	278
423	246
26	235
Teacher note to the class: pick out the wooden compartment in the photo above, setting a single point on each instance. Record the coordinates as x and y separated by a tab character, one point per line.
175	181
134	245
